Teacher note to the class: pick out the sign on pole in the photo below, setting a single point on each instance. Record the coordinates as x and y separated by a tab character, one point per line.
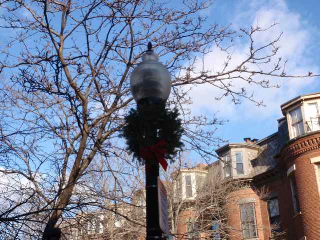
163	207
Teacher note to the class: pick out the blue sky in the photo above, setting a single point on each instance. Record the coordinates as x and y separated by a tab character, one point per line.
299	22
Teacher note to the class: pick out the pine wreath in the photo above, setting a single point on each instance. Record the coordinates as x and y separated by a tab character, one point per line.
169	128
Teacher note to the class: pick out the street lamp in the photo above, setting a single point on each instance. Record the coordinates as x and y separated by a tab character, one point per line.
150	86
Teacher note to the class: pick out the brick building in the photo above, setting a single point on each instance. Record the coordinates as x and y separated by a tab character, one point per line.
258	189
280	176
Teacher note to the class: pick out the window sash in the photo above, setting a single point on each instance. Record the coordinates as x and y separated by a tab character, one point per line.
314	124
249	230
239	163
239	167
178	194
296	122
238	157
227	165
313	109
296	115
188	186
273	207
297	129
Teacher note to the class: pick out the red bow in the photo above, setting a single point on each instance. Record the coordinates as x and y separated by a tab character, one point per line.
156	151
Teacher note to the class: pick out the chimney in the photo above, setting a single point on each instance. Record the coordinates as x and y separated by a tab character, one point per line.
250	141
202	165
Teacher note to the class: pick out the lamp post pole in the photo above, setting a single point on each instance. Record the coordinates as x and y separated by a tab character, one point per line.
150	86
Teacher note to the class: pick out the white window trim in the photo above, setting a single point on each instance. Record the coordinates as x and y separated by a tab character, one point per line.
316	162
291	170
316	166
296	204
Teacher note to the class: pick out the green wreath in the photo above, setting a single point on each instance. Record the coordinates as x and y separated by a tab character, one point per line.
169	127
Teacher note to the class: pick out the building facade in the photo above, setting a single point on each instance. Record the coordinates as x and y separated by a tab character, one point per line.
279	194
258	189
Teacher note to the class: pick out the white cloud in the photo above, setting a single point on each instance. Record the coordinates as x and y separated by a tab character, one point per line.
293	46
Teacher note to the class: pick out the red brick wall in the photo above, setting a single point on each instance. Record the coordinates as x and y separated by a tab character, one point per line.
234	220
290	223
308	195
182	223
298	152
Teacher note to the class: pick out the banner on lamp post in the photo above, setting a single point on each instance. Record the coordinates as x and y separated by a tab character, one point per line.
163	207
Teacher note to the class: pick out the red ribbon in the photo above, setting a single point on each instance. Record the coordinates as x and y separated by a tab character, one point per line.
156	151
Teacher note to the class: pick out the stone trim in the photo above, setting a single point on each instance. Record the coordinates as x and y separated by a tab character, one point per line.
301	145
291	169
315	160
246	200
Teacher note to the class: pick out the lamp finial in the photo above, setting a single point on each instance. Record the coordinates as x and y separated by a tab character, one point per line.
149	46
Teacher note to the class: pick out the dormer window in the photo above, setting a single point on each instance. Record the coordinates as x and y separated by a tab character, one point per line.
296	122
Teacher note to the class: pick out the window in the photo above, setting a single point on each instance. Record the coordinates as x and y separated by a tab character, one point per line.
227	165
313	124
239	163
117	220
91	226
100	227
274	215
294	194
216	230
199	181
248	220
95	225
296	122
74	234
193	230
188	186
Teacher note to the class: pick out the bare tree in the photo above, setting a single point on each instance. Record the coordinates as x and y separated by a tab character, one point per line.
207	214
65	67
207	207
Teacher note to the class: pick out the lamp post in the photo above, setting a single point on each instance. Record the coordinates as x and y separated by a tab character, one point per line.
150	86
